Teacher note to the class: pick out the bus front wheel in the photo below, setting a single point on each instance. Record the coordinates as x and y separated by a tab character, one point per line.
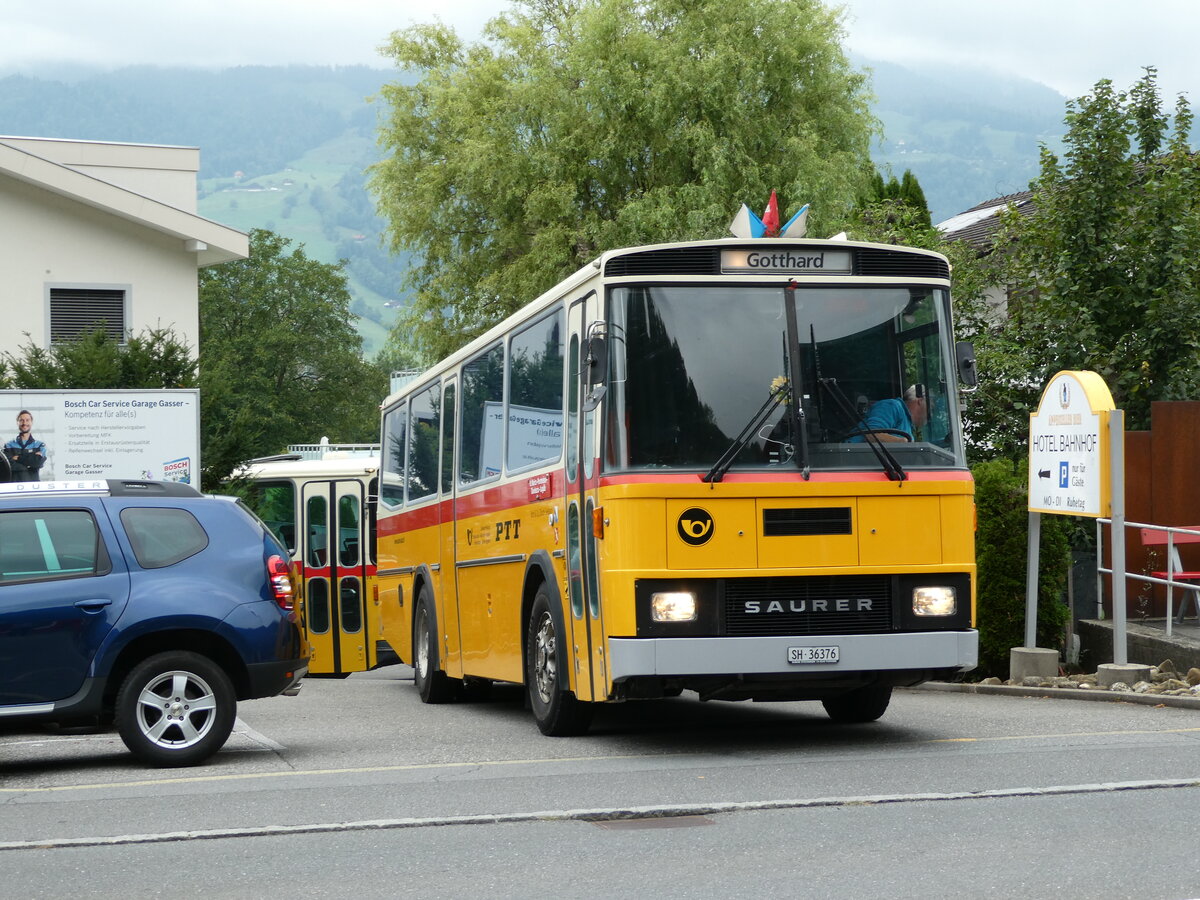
864	704
557	711
433	685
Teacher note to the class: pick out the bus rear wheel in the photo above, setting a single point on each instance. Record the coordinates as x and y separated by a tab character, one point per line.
557	711
433	685
864	704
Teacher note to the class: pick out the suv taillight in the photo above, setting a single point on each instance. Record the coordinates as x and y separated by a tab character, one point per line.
281	582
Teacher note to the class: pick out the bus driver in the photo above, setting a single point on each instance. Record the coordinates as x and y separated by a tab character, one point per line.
895	420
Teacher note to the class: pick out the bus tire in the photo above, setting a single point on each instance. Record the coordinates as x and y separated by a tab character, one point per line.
864	704
433	685
557	711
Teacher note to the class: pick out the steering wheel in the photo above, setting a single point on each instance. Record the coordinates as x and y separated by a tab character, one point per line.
895	431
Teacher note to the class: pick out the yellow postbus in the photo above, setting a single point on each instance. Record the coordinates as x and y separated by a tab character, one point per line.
319	501
733	467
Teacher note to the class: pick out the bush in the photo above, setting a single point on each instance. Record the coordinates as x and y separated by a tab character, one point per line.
1001	541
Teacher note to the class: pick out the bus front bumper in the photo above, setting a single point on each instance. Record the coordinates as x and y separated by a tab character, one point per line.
942	651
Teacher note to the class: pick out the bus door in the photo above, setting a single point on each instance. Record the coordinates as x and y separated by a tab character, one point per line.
335	555
582	476
451	650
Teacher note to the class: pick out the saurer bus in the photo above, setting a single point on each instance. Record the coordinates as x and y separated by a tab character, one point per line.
319	501
668	473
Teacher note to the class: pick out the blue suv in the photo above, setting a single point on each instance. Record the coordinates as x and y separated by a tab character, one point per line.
143	605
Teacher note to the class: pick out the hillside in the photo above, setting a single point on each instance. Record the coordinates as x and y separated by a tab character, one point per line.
286	148
968	136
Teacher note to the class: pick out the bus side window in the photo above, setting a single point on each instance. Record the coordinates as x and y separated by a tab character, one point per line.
318	532
395	425
423	431
448	439
348	528
481	437
275	504
535	398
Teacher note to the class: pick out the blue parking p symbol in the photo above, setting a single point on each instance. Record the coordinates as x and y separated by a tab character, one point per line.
1064	474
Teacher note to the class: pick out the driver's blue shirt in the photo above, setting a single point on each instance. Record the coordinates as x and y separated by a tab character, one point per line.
884	415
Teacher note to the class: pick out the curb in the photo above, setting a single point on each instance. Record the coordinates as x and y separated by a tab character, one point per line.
1012	690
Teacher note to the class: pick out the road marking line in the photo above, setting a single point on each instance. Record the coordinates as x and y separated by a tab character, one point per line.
1034	737
592	815
247	776
411	767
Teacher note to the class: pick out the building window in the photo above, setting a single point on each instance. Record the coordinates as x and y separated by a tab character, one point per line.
76	311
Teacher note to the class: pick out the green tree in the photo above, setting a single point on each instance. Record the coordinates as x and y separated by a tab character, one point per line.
584	125
1107	268
906	190
280	359
1001	497
153	358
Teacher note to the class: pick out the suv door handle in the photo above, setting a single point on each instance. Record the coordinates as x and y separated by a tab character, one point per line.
93	606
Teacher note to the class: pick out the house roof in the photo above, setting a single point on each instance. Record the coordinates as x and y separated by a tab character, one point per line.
979	224
211	242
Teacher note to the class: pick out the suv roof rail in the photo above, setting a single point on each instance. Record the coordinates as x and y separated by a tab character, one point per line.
113	487
121	487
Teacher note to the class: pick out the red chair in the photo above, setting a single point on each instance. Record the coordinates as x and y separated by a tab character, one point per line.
1157	537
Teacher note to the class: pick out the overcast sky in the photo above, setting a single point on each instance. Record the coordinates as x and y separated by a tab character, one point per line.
1066	44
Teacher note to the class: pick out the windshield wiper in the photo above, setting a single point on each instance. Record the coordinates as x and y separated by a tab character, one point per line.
893	469
721	466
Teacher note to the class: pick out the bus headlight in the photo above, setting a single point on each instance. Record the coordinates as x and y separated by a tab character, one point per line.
673	606
934	601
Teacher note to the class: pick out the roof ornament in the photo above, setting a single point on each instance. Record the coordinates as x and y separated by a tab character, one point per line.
747	225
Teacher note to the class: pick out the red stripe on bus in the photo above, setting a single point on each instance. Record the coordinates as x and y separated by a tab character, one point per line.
494	499
859	477
517	493
317	571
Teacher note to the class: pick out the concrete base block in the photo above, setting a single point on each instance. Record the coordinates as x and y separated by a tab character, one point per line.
1037	661
1110	673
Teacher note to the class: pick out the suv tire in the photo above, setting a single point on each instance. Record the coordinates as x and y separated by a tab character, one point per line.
176	709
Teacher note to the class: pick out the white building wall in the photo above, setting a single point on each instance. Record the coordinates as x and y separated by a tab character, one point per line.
47	240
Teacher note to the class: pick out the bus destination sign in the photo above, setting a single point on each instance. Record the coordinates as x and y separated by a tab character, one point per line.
785	261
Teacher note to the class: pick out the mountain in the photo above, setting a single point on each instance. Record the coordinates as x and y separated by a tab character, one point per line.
287	147
968	135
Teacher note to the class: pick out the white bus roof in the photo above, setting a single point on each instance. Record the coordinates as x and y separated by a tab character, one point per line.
595	269
352	467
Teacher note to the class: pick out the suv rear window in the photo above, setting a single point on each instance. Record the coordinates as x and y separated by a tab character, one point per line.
36	545
162	537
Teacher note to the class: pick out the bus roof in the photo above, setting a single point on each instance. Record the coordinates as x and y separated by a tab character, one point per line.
352	467
597	267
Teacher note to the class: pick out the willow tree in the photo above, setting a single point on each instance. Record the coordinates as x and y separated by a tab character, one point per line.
582	125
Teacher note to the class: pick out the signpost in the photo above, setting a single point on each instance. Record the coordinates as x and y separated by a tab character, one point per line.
1077	468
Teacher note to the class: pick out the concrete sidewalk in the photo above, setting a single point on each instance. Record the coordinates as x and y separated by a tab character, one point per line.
1012	690
1147	643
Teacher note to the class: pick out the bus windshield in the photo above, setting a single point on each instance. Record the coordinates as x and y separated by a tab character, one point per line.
691	365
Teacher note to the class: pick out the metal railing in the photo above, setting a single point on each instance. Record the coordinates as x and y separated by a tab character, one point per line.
1169	581
324	449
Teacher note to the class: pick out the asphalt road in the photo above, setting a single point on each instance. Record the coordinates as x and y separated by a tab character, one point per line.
355	788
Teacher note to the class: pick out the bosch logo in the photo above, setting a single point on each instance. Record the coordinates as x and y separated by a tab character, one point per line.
695	526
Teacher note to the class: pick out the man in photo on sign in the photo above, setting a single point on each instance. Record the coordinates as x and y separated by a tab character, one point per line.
25	454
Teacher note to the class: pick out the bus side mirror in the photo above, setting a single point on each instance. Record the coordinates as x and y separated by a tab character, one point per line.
968	375
597	360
